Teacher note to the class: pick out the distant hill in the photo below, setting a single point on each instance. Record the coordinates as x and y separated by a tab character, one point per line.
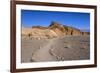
54	30
41	27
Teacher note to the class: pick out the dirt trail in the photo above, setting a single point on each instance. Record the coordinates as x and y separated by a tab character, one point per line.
43	54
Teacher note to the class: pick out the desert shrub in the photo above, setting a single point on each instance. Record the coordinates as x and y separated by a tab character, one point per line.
29	35
72	32
82	48
66	47
48	36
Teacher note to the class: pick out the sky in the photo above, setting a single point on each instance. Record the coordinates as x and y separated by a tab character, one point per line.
78	20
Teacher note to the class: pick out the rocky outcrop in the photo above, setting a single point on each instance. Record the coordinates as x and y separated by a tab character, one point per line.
57	28
85	33
55	25
38	33
54	30
72	31
66	30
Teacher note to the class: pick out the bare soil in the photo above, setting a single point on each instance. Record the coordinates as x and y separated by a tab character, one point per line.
56	49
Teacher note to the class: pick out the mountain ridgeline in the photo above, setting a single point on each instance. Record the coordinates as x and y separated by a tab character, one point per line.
67	29
52	31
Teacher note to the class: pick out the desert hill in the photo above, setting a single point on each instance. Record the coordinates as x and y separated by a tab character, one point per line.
54	30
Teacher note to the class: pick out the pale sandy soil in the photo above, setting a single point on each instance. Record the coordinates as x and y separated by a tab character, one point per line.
57	49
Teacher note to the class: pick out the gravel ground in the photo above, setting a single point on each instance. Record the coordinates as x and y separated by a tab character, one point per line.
57	49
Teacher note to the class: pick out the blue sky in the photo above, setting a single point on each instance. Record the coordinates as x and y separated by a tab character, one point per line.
78	20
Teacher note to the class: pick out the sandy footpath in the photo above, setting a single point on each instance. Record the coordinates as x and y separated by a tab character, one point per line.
43	54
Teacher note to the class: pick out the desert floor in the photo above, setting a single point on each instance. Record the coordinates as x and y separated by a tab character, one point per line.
56	49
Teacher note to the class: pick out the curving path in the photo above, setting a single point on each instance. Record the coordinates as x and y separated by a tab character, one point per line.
43	54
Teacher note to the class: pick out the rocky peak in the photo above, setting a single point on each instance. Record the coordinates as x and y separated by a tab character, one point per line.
55	25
